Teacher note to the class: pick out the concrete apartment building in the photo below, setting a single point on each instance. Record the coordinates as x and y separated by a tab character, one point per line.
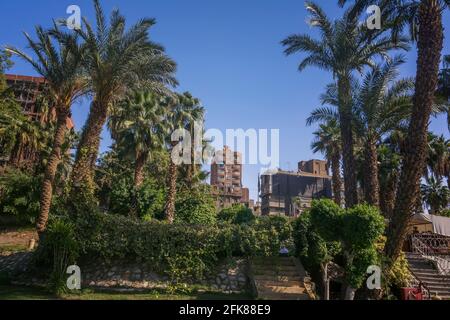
226	179
27	92
290	193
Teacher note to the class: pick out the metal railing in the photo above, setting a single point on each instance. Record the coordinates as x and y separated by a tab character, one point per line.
430	253
440	244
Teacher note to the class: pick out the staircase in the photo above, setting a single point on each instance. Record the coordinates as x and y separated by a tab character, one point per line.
425	271
280	278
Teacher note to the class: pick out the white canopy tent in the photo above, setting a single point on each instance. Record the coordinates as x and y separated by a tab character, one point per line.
440	225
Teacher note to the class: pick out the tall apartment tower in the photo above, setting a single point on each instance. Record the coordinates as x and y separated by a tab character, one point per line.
226	179
27	92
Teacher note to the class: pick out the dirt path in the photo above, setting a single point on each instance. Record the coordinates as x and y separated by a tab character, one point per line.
17	238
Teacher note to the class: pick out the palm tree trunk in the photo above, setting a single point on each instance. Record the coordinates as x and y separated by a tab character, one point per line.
336	177
388	193
345	115
141	160
172	191
372	188
50	171
82	175
429	55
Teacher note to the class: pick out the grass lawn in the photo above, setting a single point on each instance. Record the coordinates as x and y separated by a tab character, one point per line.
27	293
13	248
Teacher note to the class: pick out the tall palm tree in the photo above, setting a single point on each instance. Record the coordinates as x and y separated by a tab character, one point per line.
117	60
443	92
328	141
438	161
139	126
60	65
388	175
435	195
344	46
19	134
183	113
197	113
382	105
379	105
427	15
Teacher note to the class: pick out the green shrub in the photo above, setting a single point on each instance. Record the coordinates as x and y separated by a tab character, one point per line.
444	213
265	237
195	207
181	251
314	251
328	233
19	195
237	214
150	197
59	249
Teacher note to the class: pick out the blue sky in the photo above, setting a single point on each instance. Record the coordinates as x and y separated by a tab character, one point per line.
228	55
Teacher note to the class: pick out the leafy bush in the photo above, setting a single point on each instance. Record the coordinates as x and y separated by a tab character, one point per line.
399	275
237	214
195	207
265	236
150	197
59	249
180	251
310	246
19	195
327	230
444	213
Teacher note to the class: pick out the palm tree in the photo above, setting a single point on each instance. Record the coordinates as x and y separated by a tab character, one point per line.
438	161
328	142
139	126
388	175
19	134
379	105
345	46
382	105
435	195
182	115
443	93
60	65
117	60
197	113
427	15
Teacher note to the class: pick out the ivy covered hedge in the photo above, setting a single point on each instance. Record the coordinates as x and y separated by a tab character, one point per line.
180	251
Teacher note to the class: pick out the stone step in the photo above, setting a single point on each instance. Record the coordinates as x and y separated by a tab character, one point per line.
279	278
283	284
434	277
283	296
421	264
425	272
276	273
439	289
258	268
433	282
298	289
271	263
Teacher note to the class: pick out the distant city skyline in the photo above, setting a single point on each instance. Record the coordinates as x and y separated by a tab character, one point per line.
229	56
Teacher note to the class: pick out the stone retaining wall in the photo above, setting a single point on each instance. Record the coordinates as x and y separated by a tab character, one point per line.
229	277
